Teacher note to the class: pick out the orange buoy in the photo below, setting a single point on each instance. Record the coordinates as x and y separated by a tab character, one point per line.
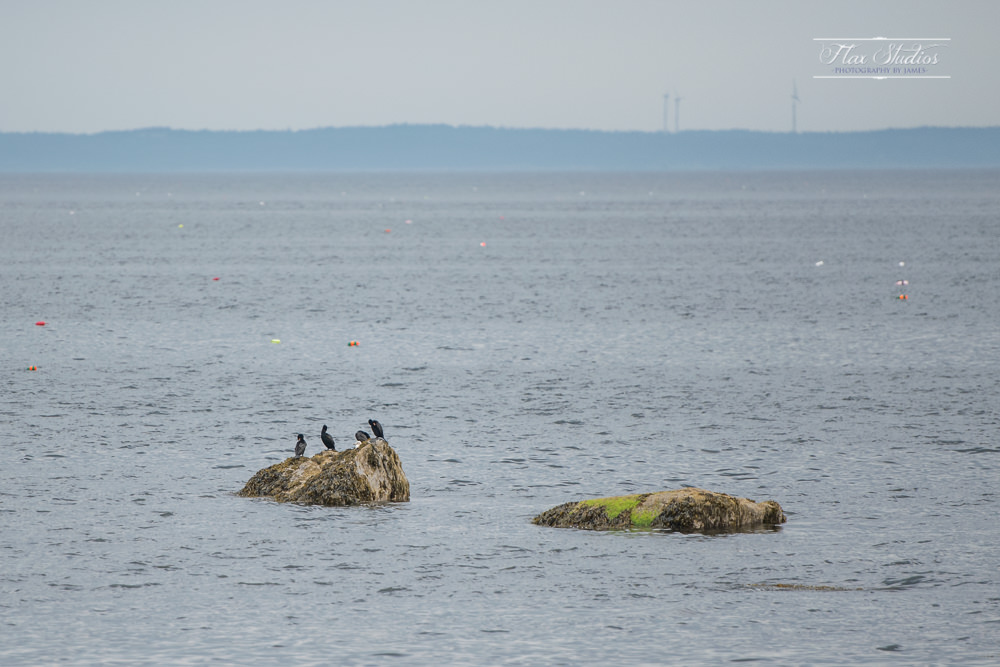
32	368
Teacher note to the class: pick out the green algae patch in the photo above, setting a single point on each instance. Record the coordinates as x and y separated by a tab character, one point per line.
612	513
688	510
615	505
643	518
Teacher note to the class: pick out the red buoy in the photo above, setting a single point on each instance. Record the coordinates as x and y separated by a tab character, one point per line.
39	323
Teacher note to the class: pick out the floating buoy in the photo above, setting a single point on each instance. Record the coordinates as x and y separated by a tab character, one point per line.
40	323
352	343
275	340
409	222
388	231
214	278
902	263
483	244
32	368
179	226
819	263
902	282
904	297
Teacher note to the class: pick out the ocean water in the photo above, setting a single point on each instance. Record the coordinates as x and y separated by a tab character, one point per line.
526	340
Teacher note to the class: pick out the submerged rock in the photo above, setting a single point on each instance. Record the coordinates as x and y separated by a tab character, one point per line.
685	510
370	473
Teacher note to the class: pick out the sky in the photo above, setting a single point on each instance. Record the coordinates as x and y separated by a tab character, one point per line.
85	67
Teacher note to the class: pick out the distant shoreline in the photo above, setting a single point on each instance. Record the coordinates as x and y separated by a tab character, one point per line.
447	148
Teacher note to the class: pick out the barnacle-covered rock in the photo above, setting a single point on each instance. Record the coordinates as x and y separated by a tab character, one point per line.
371	473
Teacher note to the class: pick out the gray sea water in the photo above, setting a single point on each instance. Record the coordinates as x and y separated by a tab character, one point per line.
526	340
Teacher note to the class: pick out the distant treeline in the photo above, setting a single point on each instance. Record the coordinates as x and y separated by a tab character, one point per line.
444	147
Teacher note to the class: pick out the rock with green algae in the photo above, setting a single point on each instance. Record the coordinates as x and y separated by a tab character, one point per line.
687	510
370	474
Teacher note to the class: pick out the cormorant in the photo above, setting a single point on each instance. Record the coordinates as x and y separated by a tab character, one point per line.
376	428
300	446
327	439
361	436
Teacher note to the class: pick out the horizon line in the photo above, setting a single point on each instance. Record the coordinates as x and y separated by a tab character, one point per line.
498	127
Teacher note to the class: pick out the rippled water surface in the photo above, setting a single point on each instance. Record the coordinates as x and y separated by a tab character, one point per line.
525	340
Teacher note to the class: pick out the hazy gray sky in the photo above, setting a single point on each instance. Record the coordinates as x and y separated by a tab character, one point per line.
88	66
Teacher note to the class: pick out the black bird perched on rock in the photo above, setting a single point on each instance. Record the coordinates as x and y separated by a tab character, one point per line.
300	446
376	428
327	439
361	436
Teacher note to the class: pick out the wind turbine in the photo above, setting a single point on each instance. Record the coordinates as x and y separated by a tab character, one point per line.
677	112
795	102
666	100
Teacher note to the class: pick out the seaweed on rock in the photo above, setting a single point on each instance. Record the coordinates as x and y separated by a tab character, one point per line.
687	510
